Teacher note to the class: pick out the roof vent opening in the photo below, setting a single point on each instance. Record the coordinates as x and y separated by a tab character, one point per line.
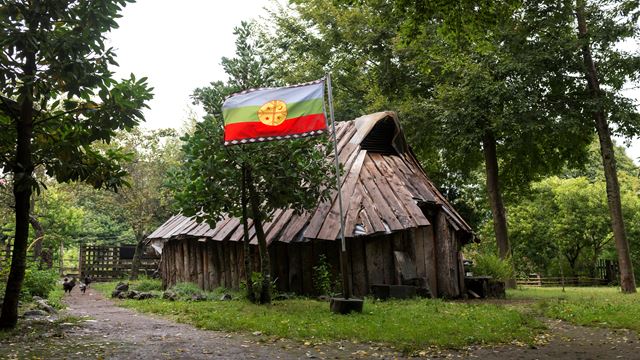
380	138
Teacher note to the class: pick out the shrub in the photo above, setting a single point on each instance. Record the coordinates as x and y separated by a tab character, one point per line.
39	282
492	265
322	276
185	290
147	284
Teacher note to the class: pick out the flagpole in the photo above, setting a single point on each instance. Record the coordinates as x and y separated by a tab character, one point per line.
346	284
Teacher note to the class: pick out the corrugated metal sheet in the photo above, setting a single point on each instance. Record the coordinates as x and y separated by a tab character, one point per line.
382	189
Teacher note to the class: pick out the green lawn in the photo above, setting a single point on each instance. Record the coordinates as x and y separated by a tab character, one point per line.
602	306
407	325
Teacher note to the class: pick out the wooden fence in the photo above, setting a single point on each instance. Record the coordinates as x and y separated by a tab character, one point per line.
103	263
558	281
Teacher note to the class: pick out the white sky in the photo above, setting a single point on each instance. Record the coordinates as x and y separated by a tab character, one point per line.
178	46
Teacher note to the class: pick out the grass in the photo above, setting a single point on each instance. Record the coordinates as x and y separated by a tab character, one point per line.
408	325
601	306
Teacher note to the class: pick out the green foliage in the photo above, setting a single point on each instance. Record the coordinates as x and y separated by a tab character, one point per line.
39	282
286	174
566	219
147	284
490	264
55	297
409	325
186	289
322	278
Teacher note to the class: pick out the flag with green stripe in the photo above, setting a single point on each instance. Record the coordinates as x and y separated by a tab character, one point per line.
274	113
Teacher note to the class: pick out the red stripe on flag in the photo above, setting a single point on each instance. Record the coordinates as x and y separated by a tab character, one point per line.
252	130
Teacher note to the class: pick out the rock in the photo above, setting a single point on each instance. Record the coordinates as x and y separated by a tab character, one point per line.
37	298
34	313
144	295
198	297
226	297
324	298
123	294
132	294
43	305
169	295
122	286
115	293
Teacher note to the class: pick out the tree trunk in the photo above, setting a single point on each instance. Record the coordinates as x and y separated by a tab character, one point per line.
23	172
495	198
248	268
265	266
627	279
135	263
37	246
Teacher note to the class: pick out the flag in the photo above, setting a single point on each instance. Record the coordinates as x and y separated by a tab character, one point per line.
274	113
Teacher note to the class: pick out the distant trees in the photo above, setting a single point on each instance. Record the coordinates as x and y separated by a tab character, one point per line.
145	202
565	219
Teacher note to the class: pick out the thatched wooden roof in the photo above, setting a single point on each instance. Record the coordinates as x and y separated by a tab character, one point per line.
384	190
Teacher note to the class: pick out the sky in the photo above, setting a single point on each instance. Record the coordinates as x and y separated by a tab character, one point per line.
178	46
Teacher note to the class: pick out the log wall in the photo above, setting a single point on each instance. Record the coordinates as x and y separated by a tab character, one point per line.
435	250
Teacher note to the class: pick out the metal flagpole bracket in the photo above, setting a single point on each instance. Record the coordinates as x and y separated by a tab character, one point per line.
347	303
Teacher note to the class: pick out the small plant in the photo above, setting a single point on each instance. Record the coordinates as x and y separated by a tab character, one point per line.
39	282
186	290
147	284
322	276
256	278
492	265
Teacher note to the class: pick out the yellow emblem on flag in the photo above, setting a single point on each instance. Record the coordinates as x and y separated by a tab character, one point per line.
273	113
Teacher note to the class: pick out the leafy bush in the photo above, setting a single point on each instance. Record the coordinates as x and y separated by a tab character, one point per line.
39	282
491	265
322	276
185	290
147	284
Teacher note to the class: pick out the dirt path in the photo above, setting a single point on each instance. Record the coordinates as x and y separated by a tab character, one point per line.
567	341
105	331
126	334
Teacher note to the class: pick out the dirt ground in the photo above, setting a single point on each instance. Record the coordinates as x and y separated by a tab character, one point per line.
99	329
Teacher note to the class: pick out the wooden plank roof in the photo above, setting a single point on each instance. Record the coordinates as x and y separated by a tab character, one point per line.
383	189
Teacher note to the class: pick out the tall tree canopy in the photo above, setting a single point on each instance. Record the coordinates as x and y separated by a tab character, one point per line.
216	180
495	90
58	98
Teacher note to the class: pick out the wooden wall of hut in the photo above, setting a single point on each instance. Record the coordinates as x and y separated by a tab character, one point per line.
435	250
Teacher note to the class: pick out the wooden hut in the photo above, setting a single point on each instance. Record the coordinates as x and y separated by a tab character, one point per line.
393	213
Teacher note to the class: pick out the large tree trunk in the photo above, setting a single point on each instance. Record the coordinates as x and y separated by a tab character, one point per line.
137	255
495	198
23	172
248	268
265	266
627	279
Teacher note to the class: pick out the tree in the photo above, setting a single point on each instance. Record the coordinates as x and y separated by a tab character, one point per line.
474	85
601	26
59	98
145	202
220	181
568	215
